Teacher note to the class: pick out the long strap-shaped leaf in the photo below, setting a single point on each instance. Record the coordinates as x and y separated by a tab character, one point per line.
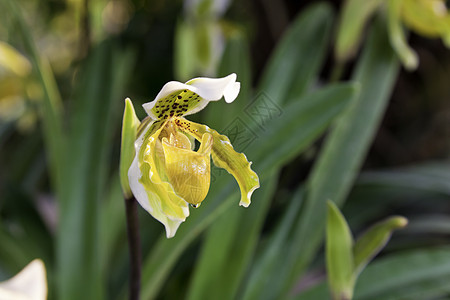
98	101
229	246
51	105
265	265
415	275
291	69
341	157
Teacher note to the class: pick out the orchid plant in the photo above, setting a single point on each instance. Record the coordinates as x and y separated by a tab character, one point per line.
166	174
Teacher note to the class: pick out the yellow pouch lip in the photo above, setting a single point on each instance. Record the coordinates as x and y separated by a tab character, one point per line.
189	172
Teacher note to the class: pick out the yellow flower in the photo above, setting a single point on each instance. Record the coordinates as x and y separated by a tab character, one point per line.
166	174
428	18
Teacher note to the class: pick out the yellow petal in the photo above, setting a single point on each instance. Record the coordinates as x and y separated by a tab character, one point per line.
158	190
151	201
189	171
397	36
225	157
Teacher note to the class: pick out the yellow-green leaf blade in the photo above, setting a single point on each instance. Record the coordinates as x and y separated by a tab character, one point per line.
339	254
130	126
354	16
374	239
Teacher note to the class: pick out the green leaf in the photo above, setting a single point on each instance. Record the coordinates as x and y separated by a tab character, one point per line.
14	252
354	16
229	246
319	291
306	119
185	51
236	59
265	265
51	105
429	224
130	126
299	55
413	275
339	254
431	177
94	116
419	274
341	157
314	114
372	241
113	231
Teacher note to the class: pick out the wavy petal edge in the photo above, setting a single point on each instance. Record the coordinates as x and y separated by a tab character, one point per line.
225	157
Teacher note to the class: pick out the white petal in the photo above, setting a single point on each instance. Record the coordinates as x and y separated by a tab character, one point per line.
28	284
231	92
151	204
209	89
212	89
134	174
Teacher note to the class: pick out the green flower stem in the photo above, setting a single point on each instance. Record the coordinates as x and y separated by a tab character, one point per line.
134	245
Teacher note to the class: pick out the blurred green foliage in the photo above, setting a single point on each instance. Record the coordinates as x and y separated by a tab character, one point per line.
376	143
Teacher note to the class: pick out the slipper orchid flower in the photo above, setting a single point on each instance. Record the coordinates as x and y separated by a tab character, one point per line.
166	175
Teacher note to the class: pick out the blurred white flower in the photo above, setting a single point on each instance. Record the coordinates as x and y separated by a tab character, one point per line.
28	284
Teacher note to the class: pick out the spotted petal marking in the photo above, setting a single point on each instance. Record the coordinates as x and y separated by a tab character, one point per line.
176	104
178	99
